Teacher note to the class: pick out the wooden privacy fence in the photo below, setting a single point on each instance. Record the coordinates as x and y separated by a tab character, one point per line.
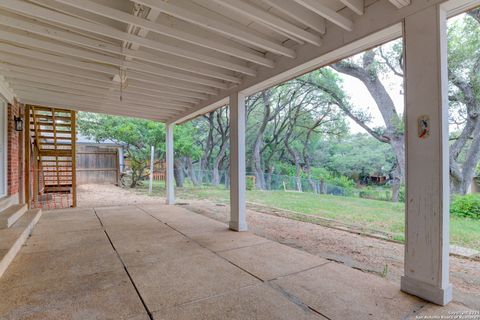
97	165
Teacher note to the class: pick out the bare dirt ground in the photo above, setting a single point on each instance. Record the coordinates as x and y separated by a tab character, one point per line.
95	195
376	256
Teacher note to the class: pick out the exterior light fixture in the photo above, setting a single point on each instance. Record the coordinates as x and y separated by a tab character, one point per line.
18	123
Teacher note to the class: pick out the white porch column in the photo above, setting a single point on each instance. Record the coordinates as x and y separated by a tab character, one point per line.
169	178
237	163
427	202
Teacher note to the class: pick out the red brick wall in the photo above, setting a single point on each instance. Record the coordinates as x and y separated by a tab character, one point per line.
13	178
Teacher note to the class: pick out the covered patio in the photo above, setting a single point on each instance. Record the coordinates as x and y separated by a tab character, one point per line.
171	61
169	263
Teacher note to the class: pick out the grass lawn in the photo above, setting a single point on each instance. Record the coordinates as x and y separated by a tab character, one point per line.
373	214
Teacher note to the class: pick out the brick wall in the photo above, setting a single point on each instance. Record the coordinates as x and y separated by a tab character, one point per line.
13	149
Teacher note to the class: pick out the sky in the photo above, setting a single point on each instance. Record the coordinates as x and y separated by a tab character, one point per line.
362	100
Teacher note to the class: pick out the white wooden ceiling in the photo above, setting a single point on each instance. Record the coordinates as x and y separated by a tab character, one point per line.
154	59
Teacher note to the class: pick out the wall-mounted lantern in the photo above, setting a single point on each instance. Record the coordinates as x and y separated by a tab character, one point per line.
18	123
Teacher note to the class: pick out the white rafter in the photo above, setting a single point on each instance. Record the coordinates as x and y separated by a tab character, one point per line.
319	8
356	6
121	16
100	58
299	13
104	30
271	20
232	29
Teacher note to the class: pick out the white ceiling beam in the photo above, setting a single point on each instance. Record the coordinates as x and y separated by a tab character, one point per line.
85	54
11	69
356	6
268	19
44	94
115	97
53	16
129	110
50	67
56	103
49	78
234	30
299	13
13	76
329	14
69	37
400	3
246	54
68	87
154	82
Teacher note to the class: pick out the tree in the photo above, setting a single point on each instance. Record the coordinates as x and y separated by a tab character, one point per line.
186	151
368	68
464	97
137	135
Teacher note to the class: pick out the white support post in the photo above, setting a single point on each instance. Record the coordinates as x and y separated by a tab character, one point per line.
237	163
427	202
169	178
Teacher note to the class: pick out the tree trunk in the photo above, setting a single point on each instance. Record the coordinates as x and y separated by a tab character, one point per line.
191	173
257	143
323	187
268	181
398	174
178	171
216	165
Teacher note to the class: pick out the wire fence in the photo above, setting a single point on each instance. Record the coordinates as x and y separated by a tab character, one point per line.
276	182
272	182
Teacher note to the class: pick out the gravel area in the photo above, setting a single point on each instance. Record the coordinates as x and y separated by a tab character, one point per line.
376	256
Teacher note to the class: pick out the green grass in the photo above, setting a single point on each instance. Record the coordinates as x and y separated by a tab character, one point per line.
372	214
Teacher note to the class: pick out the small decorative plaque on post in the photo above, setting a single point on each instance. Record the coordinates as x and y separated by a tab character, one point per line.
423	127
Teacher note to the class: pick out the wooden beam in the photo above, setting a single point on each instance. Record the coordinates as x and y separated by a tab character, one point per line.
356	6
89	55
105	30
75	89
246	54
108	98
58	79
329	14
299	13
90	108
27	155
40	58
268	19
427	173
400	3
129	108
232	29
165	60
73	124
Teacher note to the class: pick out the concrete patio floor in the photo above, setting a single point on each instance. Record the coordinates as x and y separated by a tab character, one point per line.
165	262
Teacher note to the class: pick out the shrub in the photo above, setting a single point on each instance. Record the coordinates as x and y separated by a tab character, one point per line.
467	206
